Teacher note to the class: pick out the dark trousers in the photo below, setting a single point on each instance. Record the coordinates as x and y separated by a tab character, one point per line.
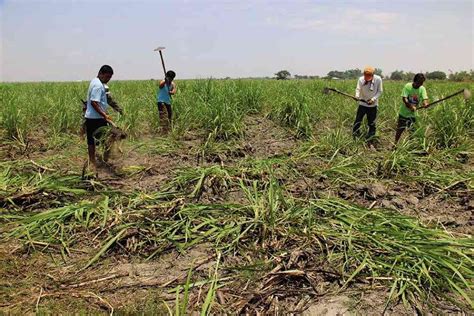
371	116
94	130
164	110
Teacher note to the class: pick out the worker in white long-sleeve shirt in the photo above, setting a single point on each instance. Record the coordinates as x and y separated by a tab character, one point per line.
368	91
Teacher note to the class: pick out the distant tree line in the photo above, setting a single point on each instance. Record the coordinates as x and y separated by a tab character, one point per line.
435	75
349	74
306	77
407	76
396	75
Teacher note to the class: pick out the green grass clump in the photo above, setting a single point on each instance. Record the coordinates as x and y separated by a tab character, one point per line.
376	244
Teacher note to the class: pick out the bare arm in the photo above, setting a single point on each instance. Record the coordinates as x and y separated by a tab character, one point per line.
408	104
173	88
98	109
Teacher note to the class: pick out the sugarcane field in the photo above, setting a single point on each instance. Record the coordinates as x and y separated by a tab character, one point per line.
249	194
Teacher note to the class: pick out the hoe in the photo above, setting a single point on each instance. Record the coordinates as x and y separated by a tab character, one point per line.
159	49
466	95
328	90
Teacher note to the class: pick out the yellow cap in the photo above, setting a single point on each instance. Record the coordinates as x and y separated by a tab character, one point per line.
369	70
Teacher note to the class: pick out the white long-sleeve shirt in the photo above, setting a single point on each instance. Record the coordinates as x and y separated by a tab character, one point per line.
371	90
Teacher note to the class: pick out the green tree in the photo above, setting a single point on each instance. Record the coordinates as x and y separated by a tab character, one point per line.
462	76
336	74
397	75
436	75
352	73
282	74
409	76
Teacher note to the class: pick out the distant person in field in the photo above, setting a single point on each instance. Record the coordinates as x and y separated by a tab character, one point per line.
167	88
412	94
96	112
368	91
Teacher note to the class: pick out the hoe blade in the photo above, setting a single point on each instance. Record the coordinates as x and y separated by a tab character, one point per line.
467	94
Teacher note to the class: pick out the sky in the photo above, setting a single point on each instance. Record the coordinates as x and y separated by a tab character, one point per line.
68	40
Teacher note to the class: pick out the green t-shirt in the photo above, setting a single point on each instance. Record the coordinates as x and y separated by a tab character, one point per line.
414	97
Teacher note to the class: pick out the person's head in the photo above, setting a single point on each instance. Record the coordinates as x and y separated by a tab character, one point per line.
418	80
369	73
170	74
105	73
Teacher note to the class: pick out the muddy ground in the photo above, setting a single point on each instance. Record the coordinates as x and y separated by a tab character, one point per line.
46	281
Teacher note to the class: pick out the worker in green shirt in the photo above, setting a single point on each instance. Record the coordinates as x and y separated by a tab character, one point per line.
412	94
